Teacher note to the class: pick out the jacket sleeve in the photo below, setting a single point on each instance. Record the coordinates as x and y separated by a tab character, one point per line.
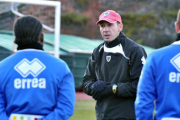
146	92
66	99
137	59
89	76
3	114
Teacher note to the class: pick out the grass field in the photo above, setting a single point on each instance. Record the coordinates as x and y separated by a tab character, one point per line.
84	110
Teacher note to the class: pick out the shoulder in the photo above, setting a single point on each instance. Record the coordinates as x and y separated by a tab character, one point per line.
160	56
97	52
133	45
161	51
7	60
98	48
53	61
128	44
133	48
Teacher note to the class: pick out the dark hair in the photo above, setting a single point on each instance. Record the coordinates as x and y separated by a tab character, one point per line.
27	30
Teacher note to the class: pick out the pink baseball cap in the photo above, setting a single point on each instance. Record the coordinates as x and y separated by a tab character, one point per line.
109	16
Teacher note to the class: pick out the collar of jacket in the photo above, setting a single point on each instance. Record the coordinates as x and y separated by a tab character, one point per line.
33	46
178	37
115	42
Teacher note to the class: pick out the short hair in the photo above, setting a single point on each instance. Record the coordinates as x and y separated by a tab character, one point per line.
27	30
178	18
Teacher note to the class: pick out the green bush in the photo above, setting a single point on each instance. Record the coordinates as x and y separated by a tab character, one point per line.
73	18
82	2
169	15
134	23
139	41
147	20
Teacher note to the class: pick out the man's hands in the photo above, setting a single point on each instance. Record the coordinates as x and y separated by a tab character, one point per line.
98	85
101	89
101	94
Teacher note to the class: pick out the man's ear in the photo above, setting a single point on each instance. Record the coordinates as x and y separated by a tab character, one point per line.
177	27
120	27
42	38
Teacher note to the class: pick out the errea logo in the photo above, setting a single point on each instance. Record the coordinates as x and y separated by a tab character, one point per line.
176	62
26	67
173	76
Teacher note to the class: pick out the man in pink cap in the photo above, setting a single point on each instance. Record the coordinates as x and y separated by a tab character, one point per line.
113	71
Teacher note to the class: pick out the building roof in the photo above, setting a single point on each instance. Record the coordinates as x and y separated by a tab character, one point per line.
68	43
72	43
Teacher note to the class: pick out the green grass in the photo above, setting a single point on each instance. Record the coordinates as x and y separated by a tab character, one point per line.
84	110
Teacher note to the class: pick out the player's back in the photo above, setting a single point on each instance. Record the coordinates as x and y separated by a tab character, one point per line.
30	81
166	67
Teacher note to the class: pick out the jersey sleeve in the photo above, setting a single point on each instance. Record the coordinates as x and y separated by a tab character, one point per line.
89	76
146	94
66	99
137	59
3	114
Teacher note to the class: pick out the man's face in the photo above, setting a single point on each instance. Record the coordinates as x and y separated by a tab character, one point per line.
109	31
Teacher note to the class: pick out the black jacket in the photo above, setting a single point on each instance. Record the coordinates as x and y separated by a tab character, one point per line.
119	62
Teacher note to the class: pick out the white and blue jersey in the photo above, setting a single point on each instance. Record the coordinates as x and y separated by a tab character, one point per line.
160	81
35	82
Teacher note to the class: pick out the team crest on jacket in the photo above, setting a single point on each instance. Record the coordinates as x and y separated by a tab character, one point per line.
108	58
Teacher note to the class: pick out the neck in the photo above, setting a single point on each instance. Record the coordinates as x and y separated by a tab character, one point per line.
33	46
113	43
